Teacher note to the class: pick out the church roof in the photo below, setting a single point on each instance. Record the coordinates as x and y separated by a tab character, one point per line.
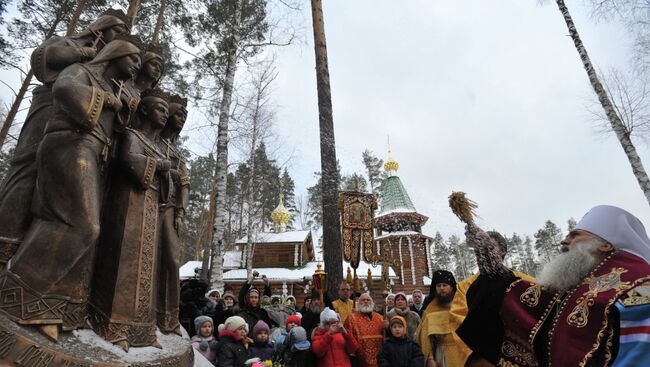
395	199
302	272
275	237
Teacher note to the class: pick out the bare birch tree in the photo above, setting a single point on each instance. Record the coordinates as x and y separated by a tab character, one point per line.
635	15
614	119
257	119
630	98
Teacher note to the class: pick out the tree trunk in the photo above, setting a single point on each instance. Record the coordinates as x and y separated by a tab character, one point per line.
240	226
15	106
159	22
200	236
75	17
618	127
251	212
221	170
11	115
249	195
133	11
206	239
332	252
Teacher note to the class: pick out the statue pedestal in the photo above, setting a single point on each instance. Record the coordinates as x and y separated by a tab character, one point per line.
24	346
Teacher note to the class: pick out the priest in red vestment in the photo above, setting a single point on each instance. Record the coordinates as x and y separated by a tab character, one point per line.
367	327
589	306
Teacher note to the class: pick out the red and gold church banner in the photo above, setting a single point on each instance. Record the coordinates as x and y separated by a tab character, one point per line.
356	221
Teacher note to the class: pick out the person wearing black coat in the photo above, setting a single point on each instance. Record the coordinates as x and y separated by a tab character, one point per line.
249	305
399	350
193	303
311	316
231	351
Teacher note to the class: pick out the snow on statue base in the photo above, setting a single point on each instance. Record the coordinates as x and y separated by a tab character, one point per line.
24	346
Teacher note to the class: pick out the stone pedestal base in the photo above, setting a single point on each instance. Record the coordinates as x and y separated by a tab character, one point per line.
24	346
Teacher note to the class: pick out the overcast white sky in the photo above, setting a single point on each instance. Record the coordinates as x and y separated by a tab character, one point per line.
485	97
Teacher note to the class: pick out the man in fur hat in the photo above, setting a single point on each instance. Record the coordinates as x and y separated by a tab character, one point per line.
589	306
436	333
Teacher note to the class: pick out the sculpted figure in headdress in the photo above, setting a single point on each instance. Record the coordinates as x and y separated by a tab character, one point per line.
48	60
122	293
172	210
150	73
49	278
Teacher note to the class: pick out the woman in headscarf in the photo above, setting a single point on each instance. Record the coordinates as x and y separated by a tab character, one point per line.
54	263
175	190
48	60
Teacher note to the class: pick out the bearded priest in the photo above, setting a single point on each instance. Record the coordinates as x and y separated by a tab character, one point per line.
590	305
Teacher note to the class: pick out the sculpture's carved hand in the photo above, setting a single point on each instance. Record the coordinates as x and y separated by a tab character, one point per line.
112	102
87	53
178	224
163	165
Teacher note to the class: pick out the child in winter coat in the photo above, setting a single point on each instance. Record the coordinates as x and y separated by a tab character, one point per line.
261	347
292	321
204	341
231	351
297	352
399	350
331	343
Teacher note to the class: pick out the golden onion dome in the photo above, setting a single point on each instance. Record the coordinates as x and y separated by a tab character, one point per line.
281	216
391	164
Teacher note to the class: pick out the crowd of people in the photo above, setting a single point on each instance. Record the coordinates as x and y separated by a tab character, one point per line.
588	306
237	331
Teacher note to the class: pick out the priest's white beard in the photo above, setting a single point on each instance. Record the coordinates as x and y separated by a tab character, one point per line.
366	309
568	269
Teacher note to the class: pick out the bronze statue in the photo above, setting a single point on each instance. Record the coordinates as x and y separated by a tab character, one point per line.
153	67
47	61
172	212
149	75
48	282
122	294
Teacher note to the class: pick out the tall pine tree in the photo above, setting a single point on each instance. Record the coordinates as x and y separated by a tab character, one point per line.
547	241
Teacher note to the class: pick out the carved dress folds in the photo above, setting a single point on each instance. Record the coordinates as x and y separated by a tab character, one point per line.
50	275
174	198
18	188
122	300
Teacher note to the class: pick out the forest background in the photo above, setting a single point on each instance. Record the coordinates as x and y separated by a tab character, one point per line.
491	100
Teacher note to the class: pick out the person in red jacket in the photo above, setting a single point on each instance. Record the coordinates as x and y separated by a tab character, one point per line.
331	343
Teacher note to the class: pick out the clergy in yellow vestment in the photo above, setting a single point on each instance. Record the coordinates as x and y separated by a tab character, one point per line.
344	305
436	333
459	307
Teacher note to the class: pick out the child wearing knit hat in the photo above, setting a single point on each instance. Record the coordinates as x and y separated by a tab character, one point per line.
331	344
297	351
402	309
204	341
292	321
261	347
399	350
231	350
